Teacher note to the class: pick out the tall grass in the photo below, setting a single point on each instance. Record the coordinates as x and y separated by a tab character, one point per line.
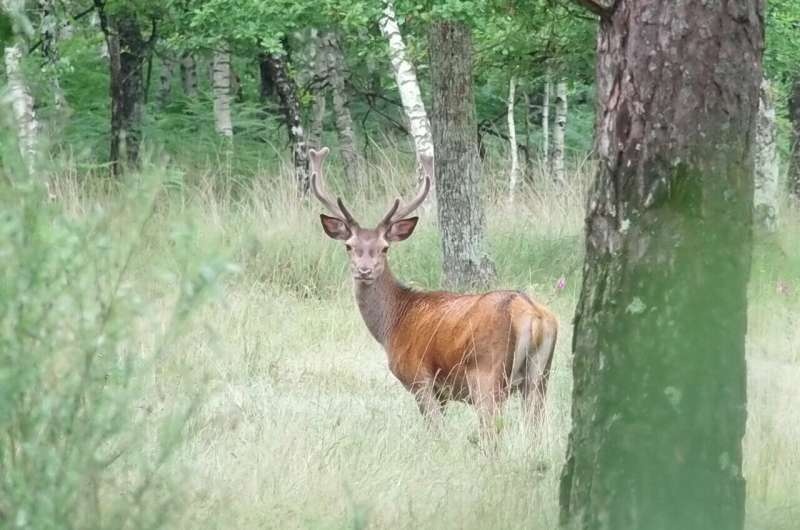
125	401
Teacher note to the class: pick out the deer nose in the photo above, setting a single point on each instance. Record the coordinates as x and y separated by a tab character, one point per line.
364	271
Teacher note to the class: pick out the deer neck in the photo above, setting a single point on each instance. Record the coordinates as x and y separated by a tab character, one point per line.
379	303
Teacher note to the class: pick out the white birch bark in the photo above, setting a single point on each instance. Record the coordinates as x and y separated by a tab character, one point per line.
559	132
548	88
512	140
407	83
22	105
765	200
165	77
222	92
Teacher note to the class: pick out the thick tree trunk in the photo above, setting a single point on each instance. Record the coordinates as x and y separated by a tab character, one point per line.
513	173
548	89
559	131
341	105
767	163
127	54
659	398
458	168
21	101
406	79
189	75
278	72
794	162
222	92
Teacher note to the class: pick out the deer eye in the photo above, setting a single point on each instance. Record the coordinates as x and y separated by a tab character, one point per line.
348	248
384	250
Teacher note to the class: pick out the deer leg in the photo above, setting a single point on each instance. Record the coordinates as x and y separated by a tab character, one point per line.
429	405
487	394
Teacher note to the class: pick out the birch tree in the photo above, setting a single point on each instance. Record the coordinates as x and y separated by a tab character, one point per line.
512	140
794	117
559	131
767	164
659	400
406	79
221	73
188	66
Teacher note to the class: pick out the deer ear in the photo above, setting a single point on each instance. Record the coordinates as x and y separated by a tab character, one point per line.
401	230
335	228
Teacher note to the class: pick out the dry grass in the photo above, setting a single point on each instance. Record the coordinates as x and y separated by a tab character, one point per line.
303	425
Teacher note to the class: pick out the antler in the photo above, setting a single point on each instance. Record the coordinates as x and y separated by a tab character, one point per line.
337	208
396	213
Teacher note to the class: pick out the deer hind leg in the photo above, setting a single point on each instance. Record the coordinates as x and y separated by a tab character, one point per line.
538	363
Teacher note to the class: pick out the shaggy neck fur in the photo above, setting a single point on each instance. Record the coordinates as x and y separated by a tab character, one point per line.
381	303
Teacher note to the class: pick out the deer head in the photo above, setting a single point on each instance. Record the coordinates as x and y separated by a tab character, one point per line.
366	247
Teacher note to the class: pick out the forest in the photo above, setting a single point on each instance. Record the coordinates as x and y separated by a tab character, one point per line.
592	316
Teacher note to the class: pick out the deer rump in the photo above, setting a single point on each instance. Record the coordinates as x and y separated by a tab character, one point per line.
472	347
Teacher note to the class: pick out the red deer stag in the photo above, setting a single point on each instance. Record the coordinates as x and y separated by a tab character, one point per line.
442	346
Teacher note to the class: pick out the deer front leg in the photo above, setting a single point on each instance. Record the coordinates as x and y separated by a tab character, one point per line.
429	405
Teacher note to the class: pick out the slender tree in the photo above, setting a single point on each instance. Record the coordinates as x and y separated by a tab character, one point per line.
221	74
794	161
276	67
406	78
559	133
458	167
513	173
659	397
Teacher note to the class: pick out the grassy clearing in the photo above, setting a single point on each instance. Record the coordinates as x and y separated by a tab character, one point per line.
301	425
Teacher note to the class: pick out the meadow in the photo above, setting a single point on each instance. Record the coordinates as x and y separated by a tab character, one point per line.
182	350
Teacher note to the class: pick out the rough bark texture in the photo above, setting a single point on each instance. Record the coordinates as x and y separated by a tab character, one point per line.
794	162
559	131
406	78
221	74
513	173
189	75
49	31
286	88
659	398
458	169
127	54
335	75
767	163
21	101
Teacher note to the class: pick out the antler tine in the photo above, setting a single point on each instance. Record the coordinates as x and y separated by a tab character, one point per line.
388	217
403	212
337	207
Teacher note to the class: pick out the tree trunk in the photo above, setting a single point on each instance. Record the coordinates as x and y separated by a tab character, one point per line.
512	140
266	90
406	79
767	163
222	92
165	77
50	34
189	75
341	105
528	128
278	72
127	53
320	85
560	128
548	89
21	101
794	162
458	170
659	397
